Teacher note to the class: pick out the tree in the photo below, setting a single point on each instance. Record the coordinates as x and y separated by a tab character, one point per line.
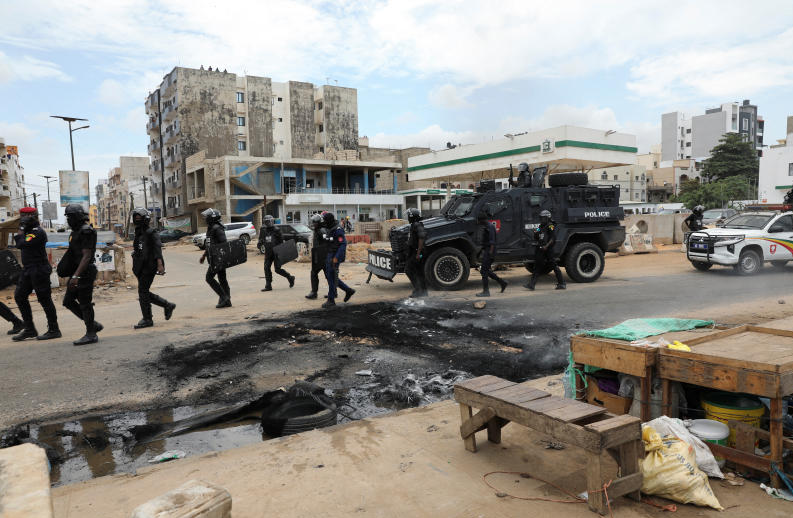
732	156
715	194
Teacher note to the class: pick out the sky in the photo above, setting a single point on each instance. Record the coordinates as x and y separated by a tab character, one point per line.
426	72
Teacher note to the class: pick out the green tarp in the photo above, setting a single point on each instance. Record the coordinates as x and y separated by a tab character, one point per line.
637	328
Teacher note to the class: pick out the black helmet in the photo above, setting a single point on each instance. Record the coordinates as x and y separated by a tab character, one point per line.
316	221
211	215
523	167
413	215
145	216
699	209
545	216
328	219
269	221
75	215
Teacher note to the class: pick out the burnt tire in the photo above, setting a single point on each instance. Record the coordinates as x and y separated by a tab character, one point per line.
298	415
749	263
567	179
703	267
245	238
779	265
447	269
584	262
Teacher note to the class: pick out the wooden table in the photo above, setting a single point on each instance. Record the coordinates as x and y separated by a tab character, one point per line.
746	359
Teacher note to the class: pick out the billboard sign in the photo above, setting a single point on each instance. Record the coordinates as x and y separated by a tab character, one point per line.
50	209
12	150
74	188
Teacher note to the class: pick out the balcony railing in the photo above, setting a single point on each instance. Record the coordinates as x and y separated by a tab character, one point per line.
154	146
169	112
171	134
171	160
336	190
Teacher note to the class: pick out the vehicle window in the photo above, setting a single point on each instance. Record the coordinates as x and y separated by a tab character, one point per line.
712	214
301	228
497	205
235	226
748	221
463	207
535	200
448	205
785	222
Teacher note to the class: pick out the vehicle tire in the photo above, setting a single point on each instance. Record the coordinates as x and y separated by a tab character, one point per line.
245	238
749	263
202	246
584	262
447	269
703	267
299	415
261	249
779	265
567	179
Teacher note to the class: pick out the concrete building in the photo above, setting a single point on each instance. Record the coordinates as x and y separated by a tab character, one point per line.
650	160
776	169
101	203
564	148
693	138
122	181
631	179
12	181
225	115
665	181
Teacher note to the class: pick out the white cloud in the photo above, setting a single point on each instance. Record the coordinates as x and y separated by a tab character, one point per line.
27	68
450	97
112	92
432	136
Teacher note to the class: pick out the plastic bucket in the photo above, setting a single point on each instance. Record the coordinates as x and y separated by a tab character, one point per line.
724	406
711	431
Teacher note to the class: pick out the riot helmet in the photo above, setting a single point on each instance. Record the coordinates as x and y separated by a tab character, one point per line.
698	210
75	215
523	167
328	219
141	217
269	221
316	221
545	217
211	216
414	215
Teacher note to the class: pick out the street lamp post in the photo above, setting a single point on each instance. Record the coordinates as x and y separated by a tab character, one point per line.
49	179
70	120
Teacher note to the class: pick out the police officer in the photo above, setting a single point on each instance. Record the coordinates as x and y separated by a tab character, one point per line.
216	234
319	253
270	236
545	236
487	239
337	250
694	220
147	261
78	264
31	240
413	267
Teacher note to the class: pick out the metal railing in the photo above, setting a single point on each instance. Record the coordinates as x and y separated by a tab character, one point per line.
334	190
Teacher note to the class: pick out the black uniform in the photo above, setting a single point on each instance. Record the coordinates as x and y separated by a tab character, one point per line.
413	267
694	222
544	258
319	255
35	275
216	234
271	237
79	300
147	249
487	239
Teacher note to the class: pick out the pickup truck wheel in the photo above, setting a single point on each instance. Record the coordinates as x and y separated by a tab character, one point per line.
779	264
749	263
584	262
245	238
703	267
447	269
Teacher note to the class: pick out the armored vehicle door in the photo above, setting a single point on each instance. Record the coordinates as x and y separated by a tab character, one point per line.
505	215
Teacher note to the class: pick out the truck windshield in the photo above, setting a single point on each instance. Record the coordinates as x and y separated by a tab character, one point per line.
462	207
448	205
748	221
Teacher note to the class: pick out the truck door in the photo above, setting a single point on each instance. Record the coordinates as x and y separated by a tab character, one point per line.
779	244
505	215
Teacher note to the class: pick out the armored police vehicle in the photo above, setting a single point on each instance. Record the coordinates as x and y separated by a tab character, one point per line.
587	225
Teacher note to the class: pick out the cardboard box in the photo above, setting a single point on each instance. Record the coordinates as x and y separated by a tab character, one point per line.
612	402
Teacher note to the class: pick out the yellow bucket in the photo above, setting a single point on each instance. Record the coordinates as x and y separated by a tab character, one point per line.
724	406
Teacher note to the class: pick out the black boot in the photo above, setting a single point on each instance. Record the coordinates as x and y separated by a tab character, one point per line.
144	322
561	286
329	304
291	281
485	289
312	295
52	332
89	338
348	294
169	310
19	326
225	303
503	284
268	287
27	332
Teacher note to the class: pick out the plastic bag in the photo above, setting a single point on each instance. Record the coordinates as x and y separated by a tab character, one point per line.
670	471
666	426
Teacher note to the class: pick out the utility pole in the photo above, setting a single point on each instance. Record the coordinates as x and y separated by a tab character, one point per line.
49	179
35	202
145	198
131	208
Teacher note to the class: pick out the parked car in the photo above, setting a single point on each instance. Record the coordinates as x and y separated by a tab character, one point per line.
244	231
175	234
674	211
296	231
745	242
717	216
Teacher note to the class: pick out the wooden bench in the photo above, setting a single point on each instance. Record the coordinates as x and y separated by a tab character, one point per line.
569	421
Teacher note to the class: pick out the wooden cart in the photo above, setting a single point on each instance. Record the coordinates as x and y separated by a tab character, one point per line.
746	359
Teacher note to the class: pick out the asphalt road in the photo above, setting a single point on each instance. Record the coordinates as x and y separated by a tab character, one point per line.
45	380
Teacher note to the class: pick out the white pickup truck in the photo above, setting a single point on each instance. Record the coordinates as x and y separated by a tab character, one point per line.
745	242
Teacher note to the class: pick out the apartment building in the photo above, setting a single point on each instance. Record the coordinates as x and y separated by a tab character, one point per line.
101	210
776	169
124	185
631	179
225	115
12	181
684	137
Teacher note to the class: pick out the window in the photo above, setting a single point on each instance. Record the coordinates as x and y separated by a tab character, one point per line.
497	205
745	124
240	97
616	178
322	150
240	145
604	176
280	119
786	222
688	130
281	142
688	144
790	169
321	128
240	121
637	178
280	99
319	105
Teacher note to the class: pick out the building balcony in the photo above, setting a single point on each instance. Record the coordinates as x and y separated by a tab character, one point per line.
169	113
196	196
319	116
319	139
172	160
154	167
154	146
153	124
151	103
170	135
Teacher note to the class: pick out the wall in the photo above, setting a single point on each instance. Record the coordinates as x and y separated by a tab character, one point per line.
707	130
670	135
666	229
260	116
341	117
774	171
301	112
282	132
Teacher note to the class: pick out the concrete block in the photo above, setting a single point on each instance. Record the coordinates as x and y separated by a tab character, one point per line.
24	483
193	499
